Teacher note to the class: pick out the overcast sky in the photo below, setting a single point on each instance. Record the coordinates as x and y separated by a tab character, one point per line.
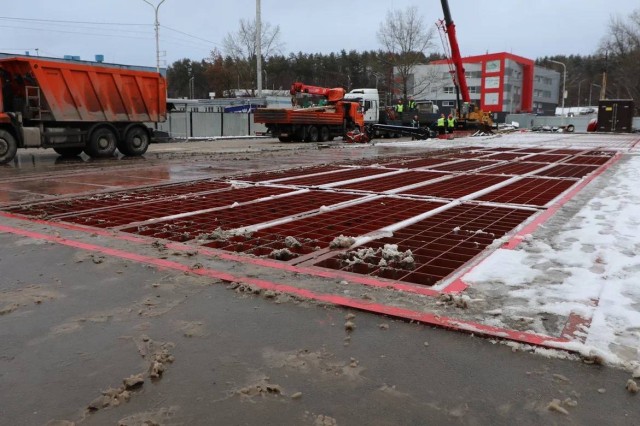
192	28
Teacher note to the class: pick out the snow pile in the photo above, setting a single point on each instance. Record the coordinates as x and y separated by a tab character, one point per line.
220	234
282	254
291	242
387	256
584	261
342	242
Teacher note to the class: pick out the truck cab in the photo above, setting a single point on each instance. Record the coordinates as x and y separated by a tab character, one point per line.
369	100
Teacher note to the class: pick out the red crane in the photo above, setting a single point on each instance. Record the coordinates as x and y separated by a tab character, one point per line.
468	116
450	30
332	94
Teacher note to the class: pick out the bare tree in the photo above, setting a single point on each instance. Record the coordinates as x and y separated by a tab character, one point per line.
241	47
622	45
407	39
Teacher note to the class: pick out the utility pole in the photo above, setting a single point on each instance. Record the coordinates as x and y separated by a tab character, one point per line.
603	88
259	48
564	82
591	89
157	26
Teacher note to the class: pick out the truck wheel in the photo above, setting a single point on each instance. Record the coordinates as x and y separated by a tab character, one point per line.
68	151
324	134
571	128
135	143
8	147
102	143
312	134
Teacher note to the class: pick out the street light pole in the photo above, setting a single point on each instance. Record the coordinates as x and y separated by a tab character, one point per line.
590	90
564	82
259	47
580	84
157	26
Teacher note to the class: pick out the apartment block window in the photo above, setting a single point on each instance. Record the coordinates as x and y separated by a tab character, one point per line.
448	103
449	90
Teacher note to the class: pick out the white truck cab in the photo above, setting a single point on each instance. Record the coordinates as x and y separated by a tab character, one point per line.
370	102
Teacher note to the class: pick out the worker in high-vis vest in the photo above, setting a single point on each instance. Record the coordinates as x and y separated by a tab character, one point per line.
451	123
400	107
442	124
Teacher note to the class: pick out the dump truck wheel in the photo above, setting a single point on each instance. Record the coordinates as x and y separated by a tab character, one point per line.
68	151
324	134
136	142
8	147
313	134
102	143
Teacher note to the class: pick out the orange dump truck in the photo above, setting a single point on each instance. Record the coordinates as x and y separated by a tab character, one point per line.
74	107
323	116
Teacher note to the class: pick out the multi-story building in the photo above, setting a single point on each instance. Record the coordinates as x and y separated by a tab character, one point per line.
501	83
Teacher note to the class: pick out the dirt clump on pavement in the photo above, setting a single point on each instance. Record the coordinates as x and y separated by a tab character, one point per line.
157	353
112	397
12	300
192	328
318	363
149	418
261	388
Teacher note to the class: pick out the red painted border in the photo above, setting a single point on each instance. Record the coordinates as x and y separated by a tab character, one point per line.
422	317
80	228
319	272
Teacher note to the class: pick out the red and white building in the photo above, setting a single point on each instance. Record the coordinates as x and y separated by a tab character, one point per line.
501	83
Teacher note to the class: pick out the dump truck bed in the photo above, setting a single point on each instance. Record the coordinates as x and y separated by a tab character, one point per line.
49	90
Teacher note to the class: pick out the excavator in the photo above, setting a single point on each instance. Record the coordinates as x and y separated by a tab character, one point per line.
468	115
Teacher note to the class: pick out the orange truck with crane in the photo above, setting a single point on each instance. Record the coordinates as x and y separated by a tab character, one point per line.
318	114
72	107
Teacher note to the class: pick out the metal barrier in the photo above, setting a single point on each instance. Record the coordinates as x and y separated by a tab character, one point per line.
196	124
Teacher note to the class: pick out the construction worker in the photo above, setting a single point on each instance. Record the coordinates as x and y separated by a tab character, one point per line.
442	123
412	104
451	123
415	123
400	107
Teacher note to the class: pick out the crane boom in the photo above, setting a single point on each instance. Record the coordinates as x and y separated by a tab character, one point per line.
455	52
332	94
